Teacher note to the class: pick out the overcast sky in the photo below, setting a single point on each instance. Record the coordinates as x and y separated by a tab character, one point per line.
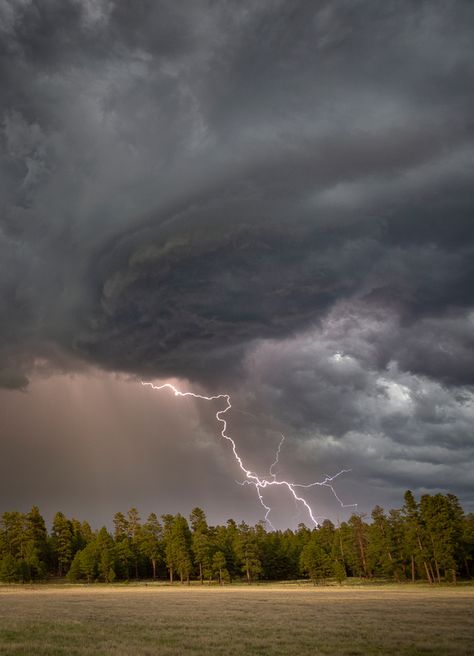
269	199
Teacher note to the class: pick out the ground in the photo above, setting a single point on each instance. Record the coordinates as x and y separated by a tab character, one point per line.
284	619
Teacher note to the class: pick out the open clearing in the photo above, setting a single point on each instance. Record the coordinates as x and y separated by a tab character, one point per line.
274	619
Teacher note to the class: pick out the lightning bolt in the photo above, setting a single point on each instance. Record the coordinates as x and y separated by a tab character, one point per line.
277	457
250	478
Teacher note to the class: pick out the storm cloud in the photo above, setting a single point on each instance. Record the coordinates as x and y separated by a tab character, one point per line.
270	196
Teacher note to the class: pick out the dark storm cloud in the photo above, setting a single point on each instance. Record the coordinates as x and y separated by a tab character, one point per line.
180	182
337	404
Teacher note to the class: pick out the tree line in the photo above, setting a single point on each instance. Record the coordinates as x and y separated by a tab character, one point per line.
431	539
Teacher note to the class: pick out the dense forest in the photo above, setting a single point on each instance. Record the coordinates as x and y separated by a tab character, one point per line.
431	540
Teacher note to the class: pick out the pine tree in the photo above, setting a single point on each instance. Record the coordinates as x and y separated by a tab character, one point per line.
219	566
414	546
315	559
181	545
396	532
134	531
18	549
170	561
88	561
106	556
360	538
12	534
443	519
151	539
201	544
380	549
291	551
75	572
35	551
62	542
121	527
37	533
81	534
124	556
339	571
225	540
247	552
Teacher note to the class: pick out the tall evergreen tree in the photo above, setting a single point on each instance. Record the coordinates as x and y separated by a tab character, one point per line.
13	547
414	542
151	541
201	543
247	551
315	559
134	537
381	549
62	542
36	531
219	566
359	540
124	556
106	556
442	518
181	544
168	521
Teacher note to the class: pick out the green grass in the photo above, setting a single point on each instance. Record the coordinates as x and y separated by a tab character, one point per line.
259	620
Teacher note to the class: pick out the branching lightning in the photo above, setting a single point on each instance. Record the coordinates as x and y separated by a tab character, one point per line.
260	483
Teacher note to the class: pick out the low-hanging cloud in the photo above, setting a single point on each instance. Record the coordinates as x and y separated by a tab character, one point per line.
182	183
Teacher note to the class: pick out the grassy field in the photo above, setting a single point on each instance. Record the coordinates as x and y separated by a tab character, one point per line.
287	620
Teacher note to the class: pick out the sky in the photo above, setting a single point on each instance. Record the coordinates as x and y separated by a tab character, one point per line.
265	199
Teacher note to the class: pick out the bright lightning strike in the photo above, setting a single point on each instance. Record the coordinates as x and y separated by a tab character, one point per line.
260	483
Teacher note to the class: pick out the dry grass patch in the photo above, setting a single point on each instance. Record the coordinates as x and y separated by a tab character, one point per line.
289	620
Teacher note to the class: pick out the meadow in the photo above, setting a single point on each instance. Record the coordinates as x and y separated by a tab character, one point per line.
283	619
